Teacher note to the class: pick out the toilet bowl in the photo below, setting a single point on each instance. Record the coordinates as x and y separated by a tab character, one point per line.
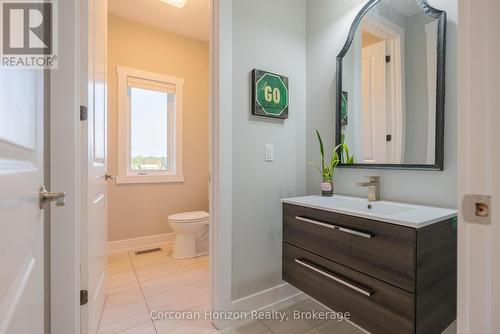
191	233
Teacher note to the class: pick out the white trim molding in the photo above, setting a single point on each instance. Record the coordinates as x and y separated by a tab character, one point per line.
65	222
128	77
135	244
478	163
220	155
266	298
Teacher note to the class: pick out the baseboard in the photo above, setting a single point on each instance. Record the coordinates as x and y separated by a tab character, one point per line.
262	300
139	243
266	298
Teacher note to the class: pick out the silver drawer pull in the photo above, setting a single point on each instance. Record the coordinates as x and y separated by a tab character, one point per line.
334	227
336	279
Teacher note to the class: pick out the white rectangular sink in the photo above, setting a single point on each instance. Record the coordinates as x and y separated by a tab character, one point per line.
410	215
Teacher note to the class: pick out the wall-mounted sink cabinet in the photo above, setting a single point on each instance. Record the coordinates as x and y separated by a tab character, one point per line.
392	266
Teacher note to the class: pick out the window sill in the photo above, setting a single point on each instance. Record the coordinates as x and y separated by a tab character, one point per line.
130	179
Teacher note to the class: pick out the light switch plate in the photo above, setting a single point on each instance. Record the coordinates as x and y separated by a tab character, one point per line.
477	209
269	152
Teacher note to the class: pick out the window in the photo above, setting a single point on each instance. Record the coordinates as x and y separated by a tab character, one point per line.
149	127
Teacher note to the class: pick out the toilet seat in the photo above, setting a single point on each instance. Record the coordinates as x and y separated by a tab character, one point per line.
189	217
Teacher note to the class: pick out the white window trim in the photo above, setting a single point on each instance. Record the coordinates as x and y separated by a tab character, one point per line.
177	174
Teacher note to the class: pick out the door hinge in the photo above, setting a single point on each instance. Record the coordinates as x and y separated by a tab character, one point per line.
83	113
388	59
84	297
388	137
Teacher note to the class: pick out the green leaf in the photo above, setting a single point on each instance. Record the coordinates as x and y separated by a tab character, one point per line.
321	149
334	156
327	170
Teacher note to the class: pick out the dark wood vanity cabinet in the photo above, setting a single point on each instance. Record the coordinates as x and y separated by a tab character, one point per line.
390	278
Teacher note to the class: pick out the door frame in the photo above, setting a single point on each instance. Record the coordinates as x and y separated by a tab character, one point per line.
220	156
478	162
66	155
65	175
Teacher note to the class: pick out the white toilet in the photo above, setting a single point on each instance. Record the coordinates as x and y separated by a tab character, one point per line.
191	234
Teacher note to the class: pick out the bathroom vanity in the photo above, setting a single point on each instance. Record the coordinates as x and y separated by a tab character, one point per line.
392	266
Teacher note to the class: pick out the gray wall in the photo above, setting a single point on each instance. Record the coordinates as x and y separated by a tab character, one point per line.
268	35
328	23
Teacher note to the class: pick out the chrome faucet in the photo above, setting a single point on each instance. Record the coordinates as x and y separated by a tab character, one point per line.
373	186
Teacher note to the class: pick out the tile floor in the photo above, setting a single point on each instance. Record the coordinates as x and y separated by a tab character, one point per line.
138	284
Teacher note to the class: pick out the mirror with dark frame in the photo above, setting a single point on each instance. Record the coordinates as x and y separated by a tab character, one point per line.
390	87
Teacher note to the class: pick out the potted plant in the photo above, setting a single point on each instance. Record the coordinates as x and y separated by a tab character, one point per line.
327	168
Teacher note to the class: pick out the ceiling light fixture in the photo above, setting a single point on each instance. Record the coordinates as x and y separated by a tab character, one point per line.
176	3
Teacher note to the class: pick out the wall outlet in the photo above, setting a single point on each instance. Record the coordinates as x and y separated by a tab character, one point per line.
269	152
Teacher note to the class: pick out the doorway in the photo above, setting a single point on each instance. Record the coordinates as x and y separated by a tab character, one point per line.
384	111
154	66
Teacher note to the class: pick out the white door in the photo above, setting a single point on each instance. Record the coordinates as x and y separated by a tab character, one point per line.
21	219
94	236
374	105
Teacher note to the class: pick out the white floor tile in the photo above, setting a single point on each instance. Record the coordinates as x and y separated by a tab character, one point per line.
296	326
119	267
255	327
117	257
124	295
204	261
193	296
147	328
119	262
154	286
184	327
119	318
334	327
156	281
166	268
121	278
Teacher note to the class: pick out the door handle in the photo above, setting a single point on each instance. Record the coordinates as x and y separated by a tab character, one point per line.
334	227
355	287
46	197
108	176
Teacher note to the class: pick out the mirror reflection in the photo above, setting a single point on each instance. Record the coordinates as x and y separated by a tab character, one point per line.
389	76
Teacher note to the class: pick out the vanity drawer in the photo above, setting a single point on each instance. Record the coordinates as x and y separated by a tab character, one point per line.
381	250
374	305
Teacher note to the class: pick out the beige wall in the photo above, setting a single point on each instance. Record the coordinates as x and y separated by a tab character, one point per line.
137	210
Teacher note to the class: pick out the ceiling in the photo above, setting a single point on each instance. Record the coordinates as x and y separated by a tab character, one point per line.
405	7
192	20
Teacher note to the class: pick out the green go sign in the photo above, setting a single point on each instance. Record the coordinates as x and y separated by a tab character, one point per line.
270	94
